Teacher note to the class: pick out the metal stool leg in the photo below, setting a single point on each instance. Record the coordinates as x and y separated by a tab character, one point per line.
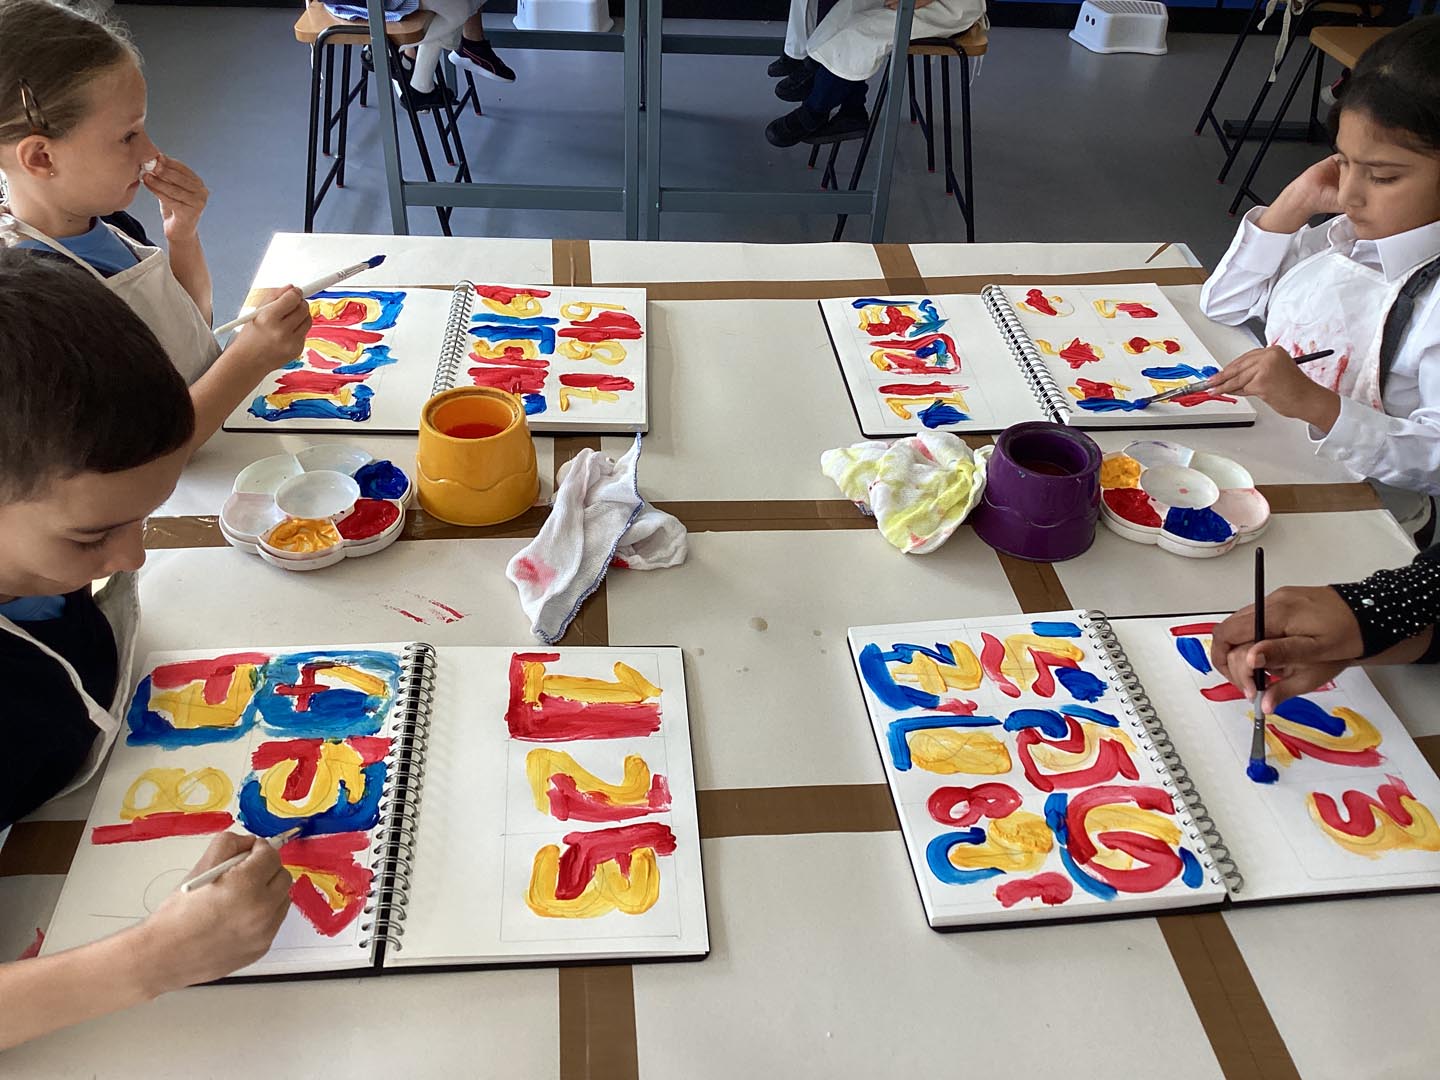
311	150
910	82
1315	97
875	112
329	80
344	115
967	202
930	118
814	153
950	184
1209	113
408	107
829	179
1245	189
1238	144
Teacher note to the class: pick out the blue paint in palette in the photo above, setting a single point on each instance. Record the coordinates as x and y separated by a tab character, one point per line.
1202	525
381	480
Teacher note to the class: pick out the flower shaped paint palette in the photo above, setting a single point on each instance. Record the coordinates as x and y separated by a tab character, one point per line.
1187	502
311	509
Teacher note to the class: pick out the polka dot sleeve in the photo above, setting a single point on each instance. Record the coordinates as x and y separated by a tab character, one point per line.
1392	606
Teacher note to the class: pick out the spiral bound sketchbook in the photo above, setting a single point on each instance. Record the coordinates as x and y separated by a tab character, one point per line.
457	805
1059	766
576	357
1081	355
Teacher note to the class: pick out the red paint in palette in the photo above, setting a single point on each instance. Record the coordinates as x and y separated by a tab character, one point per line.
1133	505
371	517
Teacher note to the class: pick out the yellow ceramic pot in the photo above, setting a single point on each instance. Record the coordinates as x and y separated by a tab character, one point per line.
476	460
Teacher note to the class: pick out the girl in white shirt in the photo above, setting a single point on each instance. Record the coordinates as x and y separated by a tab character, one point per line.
1362	284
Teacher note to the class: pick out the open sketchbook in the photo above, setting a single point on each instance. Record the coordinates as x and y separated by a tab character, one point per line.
1036	778
458	806
1074	354
575	356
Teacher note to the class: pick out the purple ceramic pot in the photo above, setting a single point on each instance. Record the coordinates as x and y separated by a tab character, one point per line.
1042	493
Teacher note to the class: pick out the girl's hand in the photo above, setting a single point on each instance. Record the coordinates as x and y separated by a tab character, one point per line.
277	334
1272	375
1313	637
182	196
1315	191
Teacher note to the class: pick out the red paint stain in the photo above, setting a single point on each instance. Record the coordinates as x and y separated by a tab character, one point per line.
1040	302
503	295
1079	352
533	572
1048	888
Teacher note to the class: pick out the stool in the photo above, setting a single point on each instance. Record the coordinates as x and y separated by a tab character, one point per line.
972	42
1334	12
322	31
1343	44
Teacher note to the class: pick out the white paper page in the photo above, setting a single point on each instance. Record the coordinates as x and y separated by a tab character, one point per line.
1274	835
1025	787
245	771
1107	345
368	365
913	363
576	356
479	831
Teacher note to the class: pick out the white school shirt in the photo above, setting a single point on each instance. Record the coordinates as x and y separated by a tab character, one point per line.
1400	446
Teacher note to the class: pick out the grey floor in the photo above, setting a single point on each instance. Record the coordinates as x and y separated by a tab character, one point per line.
1069	145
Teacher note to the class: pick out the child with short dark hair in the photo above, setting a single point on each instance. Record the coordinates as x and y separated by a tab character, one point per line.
94	430
73	149
1362	284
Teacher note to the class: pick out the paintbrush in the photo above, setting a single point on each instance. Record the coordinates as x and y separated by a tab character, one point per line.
318	285
1258	770
206	877
1204	384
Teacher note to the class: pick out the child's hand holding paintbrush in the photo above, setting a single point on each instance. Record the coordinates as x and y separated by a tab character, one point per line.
1279	380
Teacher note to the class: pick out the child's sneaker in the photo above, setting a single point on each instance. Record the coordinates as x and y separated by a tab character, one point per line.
480	58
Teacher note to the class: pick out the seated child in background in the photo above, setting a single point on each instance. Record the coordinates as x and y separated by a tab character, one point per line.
1363	284
94	429
848	47
73	149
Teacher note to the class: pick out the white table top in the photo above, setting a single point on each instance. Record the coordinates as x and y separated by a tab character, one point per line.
821	961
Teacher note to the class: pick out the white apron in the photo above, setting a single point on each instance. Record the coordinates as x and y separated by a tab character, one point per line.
1330	301
155	294
853	40
119	601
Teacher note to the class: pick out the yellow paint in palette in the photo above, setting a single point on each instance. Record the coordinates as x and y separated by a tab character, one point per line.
958	750
1017	844
303	536
1119	471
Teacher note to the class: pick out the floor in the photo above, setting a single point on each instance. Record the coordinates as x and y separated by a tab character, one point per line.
1069	145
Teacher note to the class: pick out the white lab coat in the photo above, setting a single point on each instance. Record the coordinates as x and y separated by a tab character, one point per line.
853	40
1322	288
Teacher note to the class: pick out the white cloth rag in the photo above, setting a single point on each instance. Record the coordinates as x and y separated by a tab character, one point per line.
598	519
919	489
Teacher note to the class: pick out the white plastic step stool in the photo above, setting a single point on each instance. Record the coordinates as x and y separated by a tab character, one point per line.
1111	26
584	15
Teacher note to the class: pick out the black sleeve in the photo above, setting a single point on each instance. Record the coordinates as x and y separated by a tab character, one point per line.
1392	606
44	725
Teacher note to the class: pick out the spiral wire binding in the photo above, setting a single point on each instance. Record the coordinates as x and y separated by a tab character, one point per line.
400	802
452	347
1037	373
1198	822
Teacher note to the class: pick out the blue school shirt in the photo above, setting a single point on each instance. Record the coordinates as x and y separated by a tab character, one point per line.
100	247
33	608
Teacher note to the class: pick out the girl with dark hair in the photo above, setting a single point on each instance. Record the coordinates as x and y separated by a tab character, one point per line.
1362	284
